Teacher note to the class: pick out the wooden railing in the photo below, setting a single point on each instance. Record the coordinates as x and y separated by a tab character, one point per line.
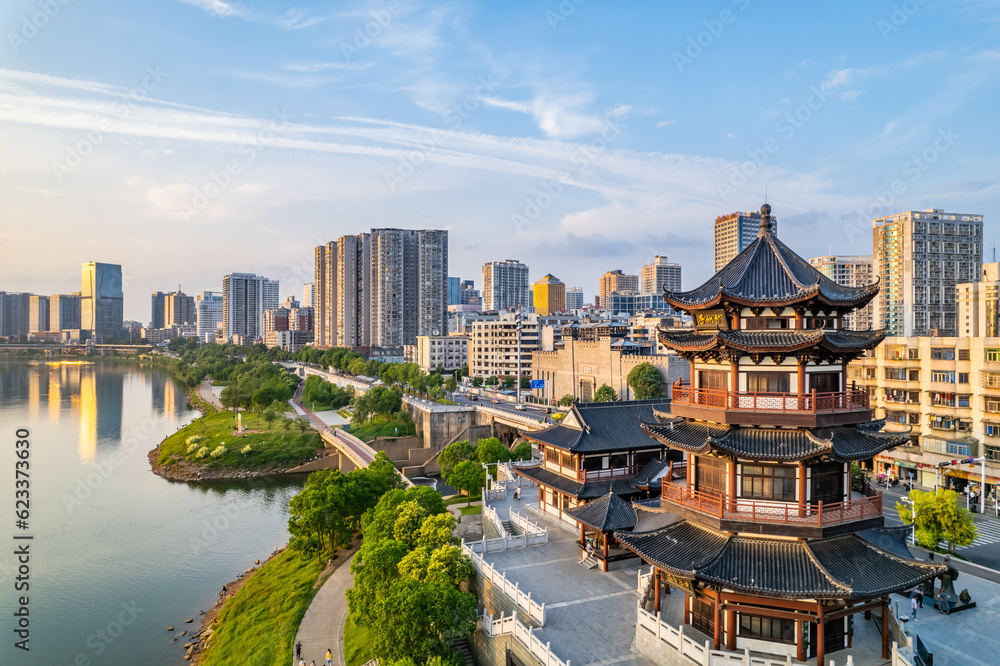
607	474
841	401
818	515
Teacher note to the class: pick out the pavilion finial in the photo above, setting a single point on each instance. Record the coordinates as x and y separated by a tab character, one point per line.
766	225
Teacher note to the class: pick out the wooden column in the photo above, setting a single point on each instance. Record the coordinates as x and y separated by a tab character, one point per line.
730	630
885	627
605	562
821	638
843	375
799	321
687	609
847	481
800	643
583	540
690	471
802	489
656	592
731	483
802	378
734	377
717	609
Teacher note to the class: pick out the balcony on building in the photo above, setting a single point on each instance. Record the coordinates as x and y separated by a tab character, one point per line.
810	410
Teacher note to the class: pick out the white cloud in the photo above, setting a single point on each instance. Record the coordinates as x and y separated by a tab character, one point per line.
664	123
217	7
553	116
319	66
849	95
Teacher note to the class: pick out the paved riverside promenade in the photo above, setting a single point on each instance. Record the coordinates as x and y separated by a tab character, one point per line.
322	626
590	616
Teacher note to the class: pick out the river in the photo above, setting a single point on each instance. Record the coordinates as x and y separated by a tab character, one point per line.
118	554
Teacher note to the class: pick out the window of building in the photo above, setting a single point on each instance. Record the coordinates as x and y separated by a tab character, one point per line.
991	428
768	482
710	475
993	354
913	354
943	376
767	382
713	379
913	419
914	375
963	354
552	455
993	405
769	629
992	453
941	422
943	353
963	378
963	400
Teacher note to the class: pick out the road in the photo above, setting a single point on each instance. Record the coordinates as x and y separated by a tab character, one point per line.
326	430
984	551
530	410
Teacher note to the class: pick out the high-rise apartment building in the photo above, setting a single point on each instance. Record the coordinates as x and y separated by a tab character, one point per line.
353	298
178	308
307	295
14	310
469	295
101	300
454	291
245	297
64	311
979	305
549	295
660	274
156	302
919	257
850	271
574	298
38	314
208	308
505	285
616	281
734	233
381	289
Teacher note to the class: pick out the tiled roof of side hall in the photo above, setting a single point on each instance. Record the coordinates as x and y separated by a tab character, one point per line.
841	443
845	567
606	426
769	272
609	513
585	491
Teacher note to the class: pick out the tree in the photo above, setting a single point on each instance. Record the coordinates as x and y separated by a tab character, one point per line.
468	476
939	517
605	394
453	454
566	400
477	382
269	416
645	381
303	424
491	450
383	467
521	451
525	383
450	384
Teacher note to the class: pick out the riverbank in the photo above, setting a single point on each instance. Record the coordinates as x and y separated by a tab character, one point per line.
209	448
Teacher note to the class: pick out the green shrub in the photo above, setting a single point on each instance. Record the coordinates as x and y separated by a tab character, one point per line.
246	449
219	451
202	452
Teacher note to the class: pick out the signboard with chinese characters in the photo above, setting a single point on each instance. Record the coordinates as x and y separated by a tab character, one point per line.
537	383
711	320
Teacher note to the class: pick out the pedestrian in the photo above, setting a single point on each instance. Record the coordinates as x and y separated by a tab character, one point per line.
913	606
329	657
920	597
298	650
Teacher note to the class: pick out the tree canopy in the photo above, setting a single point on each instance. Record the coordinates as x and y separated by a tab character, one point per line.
469	477
453	454
566	400
605	394
939	517
645	381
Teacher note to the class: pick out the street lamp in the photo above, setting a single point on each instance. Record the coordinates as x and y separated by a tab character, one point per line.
517	380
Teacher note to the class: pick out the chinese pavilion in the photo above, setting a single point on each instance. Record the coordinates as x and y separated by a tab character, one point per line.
771	546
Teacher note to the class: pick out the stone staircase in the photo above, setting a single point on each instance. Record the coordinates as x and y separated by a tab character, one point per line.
462	647
589	562
508	528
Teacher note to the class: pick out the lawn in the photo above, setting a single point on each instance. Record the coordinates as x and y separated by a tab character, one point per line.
474	510
382	428
258	625
269	445
357	643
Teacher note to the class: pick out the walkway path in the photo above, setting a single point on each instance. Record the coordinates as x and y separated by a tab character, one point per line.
329	433
323	624
206	394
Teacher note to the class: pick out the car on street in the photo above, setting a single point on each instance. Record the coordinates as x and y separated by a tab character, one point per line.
496	401
548	410
519	407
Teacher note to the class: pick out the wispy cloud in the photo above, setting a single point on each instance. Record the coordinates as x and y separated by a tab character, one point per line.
664	123
292	19
320	66
217	7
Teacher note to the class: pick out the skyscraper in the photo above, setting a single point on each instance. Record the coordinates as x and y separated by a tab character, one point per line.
101	300
353	285
979	305
549	295
156	309
38	314
454	291
14	309
469	295
64	311
734	232
617	281
919	257
574	298
178	308
324	294
850	271
505	285
245	296
208	308
432	281
307	295
660	274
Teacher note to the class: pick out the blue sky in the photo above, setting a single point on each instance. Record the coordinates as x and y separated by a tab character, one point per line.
186	139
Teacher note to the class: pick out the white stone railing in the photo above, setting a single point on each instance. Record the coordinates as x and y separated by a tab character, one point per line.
897	658
524	635
527	527
494	493
489	513
521	599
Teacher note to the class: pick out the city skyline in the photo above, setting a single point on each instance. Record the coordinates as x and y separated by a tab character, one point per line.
459	129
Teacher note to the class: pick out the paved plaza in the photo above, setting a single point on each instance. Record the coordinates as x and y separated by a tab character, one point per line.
591	615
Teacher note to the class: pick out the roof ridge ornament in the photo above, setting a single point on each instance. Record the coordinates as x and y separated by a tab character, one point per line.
766	225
